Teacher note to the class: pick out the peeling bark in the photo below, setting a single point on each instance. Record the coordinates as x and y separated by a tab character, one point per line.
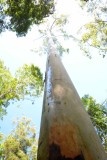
66	130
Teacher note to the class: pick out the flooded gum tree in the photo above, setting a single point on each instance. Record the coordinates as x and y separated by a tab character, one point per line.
66	130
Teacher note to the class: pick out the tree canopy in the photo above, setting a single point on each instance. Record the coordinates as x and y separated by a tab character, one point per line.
28	81
94	33
98	115
20	15
21	143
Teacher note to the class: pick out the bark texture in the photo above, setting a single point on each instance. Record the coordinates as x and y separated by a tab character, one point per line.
66	130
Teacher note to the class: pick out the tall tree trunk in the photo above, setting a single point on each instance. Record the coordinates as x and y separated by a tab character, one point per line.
66	131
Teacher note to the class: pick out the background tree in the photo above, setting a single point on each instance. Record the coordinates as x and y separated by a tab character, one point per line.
20	15
94	33
98	115
28	81
21	143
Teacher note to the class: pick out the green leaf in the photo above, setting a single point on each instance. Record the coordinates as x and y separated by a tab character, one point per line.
98	115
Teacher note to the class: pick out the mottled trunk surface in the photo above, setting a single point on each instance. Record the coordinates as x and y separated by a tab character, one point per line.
66	130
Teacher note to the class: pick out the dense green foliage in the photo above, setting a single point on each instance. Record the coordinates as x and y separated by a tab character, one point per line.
20	15
98	115
28	81
21	143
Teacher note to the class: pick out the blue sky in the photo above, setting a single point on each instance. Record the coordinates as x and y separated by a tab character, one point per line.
88	76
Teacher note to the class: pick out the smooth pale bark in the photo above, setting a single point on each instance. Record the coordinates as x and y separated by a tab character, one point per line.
66	131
